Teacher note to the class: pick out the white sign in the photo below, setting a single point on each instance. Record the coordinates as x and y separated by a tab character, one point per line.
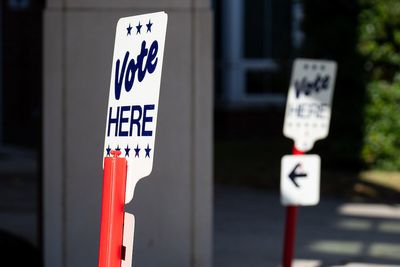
308	106
134	92
300	180
127	240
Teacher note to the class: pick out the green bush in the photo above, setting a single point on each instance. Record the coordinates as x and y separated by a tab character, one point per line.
382	125
379	43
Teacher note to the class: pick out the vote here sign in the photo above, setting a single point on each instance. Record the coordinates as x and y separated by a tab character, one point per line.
308	106
134	93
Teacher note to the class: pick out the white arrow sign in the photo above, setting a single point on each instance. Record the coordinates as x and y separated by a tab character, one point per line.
134	92
300	180
308	106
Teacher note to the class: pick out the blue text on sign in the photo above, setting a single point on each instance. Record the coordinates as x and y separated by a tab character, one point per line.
128	71
309	110
130	120
308	87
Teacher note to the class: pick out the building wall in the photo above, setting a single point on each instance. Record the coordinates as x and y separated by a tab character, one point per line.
173	206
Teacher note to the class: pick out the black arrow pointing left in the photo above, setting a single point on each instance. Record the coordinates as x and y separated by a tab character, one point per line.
293	175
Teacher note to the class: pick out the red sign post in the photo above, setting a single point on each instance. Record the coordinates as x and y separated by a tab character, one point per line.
112	211
290	227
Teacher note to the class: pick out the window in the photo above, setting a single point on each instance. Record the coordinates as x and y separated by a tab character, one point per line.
258	41
18	4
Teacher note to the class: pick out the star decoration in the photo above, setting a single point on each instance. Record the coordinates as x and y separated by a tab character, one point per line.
127	149
129	29
108	149
148	25
118	148
138	28
137	150
147	151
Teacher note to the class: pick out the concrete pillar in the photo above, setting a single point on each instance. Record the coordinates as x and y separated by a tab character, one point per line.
173	206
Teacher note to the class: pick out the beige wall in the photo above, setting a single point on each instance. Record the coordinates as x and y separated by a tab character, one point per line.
173	206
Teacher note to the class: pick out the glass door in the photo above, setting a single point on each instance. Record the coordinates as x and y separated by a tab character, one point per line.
259	38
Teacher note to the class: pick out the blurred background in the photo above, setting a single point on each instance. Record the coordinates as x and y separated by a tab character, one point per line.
213	197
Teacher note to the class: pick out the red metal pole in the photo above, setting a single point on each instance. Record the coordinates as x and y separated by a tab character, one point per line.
290	227
112	211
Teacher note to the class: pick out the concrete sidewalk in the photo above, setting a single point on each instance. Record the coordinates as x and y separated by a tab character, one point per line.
249	225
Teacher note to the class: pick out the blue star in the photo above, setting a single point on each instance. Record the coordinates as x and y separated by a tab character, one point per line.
147	151
148	25
129	29
127	149
108	149
118	149
138	27
137	149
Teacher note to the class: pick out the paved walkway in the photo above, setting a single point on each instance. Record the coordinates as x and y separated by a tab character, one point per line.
249	228
249	232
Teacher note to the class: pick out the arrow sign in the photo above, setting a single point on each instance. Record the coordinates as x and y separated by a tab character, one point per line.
304	167
293	175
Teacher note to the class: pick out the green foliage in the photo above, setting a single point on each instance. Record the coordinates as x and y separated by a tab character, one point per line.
382	125
379	37
379	43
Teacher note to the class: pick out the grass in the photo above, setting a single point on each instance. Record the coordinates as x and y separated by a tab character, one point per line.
388	180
